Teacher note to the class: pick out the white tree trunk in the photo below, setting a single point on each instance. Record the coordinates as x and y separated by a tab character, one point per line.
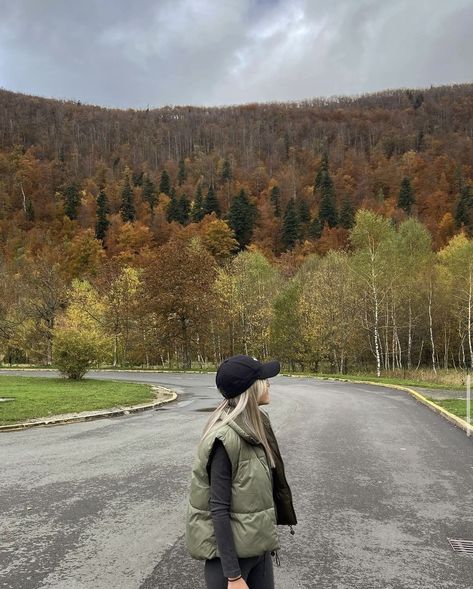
376	320
432	342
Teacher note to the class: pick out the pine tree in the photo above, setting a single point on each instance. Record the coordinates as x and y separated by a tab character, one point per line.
406	196
458	178
29	212
149	192
184	207
315	228
182	174
127	209
276	200
137	178
72	200
226	174
197	213
241	218
211	203
321	171
165	183
463	208
103	210
303	211
172	210
327	210
291	225
347	214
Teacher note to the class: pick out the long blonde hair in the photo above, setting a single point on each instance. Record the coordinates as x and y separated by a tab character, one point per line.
245	404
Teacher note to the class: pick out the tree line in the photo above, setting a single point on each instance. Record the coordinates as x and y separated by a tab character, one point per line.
387	302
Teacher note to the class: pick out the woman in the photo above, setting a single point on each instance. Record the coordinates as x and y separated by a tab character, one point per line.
239	492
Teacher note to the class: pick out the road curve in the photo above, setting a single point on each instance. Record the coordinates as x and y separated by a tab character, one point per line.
379	483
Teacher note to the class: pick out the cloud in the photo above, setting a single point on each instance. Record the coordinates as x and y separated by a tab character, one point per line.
229	51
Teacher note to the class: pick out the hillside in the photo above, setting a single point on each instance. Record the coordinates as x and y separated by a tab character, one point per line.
56	155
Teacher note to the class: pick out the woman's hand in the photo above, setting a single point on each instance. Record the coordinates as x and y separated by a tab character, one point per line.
240	584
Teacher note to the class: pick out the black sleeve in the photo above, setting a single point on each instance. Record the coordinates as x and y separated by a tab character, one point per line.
220	498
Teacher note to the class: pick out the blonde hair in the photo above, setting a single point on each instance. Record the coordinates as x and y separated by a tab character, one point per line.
245	404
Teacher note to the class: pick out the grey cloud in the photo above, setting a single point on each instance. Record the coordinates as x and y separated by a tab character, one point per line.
229	51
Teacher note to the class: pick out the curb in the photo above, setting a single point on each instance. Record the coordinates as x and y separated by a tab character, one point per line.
91	415
458	421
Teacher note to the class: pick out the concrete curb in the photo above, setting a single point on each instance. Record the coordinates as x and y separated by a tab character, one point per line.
90	415
458	421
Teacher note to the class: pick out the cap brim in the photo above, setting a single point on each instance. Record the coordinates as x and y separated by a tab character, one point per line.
270	369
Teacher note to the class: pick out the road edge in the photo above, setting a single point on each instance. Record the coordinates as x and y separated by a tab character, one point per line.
458	421
91	415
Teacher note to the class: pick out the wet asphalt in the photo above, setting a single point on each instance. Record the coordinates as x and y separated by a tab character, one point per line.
379	483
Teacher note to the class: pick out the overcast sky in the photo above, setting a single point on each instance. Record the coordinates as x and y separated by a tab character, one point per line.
137	53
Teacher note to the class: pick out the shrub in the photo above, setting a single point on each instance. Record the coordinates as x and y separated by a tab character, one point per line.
75	351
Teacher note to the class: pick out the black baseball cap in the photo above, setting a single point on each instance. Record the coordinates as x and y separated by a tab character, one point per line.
238	373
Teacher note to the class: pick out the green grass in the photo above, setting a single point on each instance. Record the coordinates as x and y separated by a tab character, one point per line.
455	406
449	380
43	397
386	380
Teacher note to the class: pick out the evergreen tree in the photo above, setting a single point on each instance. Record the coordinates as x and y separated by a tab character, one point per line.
276	200
184	209
149	192
241	218
420	140
323	169
103	210
29	210
211	202
303	211
182	174
291	225
137	178
458	178
226	174
173	210
197	213
463	208
327	211
127	209
72	200
406	196
315	228
165	183
347	214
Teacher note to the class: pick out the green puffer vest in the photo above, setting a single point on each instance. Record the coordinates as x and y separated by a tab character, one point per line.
252	511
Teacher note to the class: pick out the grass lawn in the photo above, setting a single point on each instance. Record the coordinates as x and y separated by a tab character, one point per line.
391	380
43	397
441	380
455	406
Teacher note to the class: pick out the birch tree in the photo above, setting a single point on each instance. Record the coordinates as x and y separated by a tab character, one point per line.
414	257
457	259
372	237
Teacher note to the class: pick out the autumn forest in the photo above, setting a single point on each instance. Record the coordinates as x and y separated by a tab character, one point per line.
332	234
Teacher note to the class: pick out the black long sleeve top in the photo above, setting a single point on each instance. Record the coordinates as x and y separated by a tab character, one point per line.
220	472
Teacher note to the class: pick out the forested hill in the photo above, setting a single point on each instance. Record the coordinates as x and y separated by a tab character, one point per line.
284	176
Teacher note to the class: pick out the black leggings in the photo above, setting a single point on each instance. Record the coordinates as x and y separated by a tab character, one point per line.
256	570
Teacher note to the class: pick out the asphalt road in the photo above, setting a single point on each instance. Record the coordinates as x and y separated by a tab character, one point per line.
379	483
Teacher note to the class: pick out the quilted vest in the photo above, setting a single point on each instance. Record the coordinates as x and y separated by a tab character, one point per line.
252	510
